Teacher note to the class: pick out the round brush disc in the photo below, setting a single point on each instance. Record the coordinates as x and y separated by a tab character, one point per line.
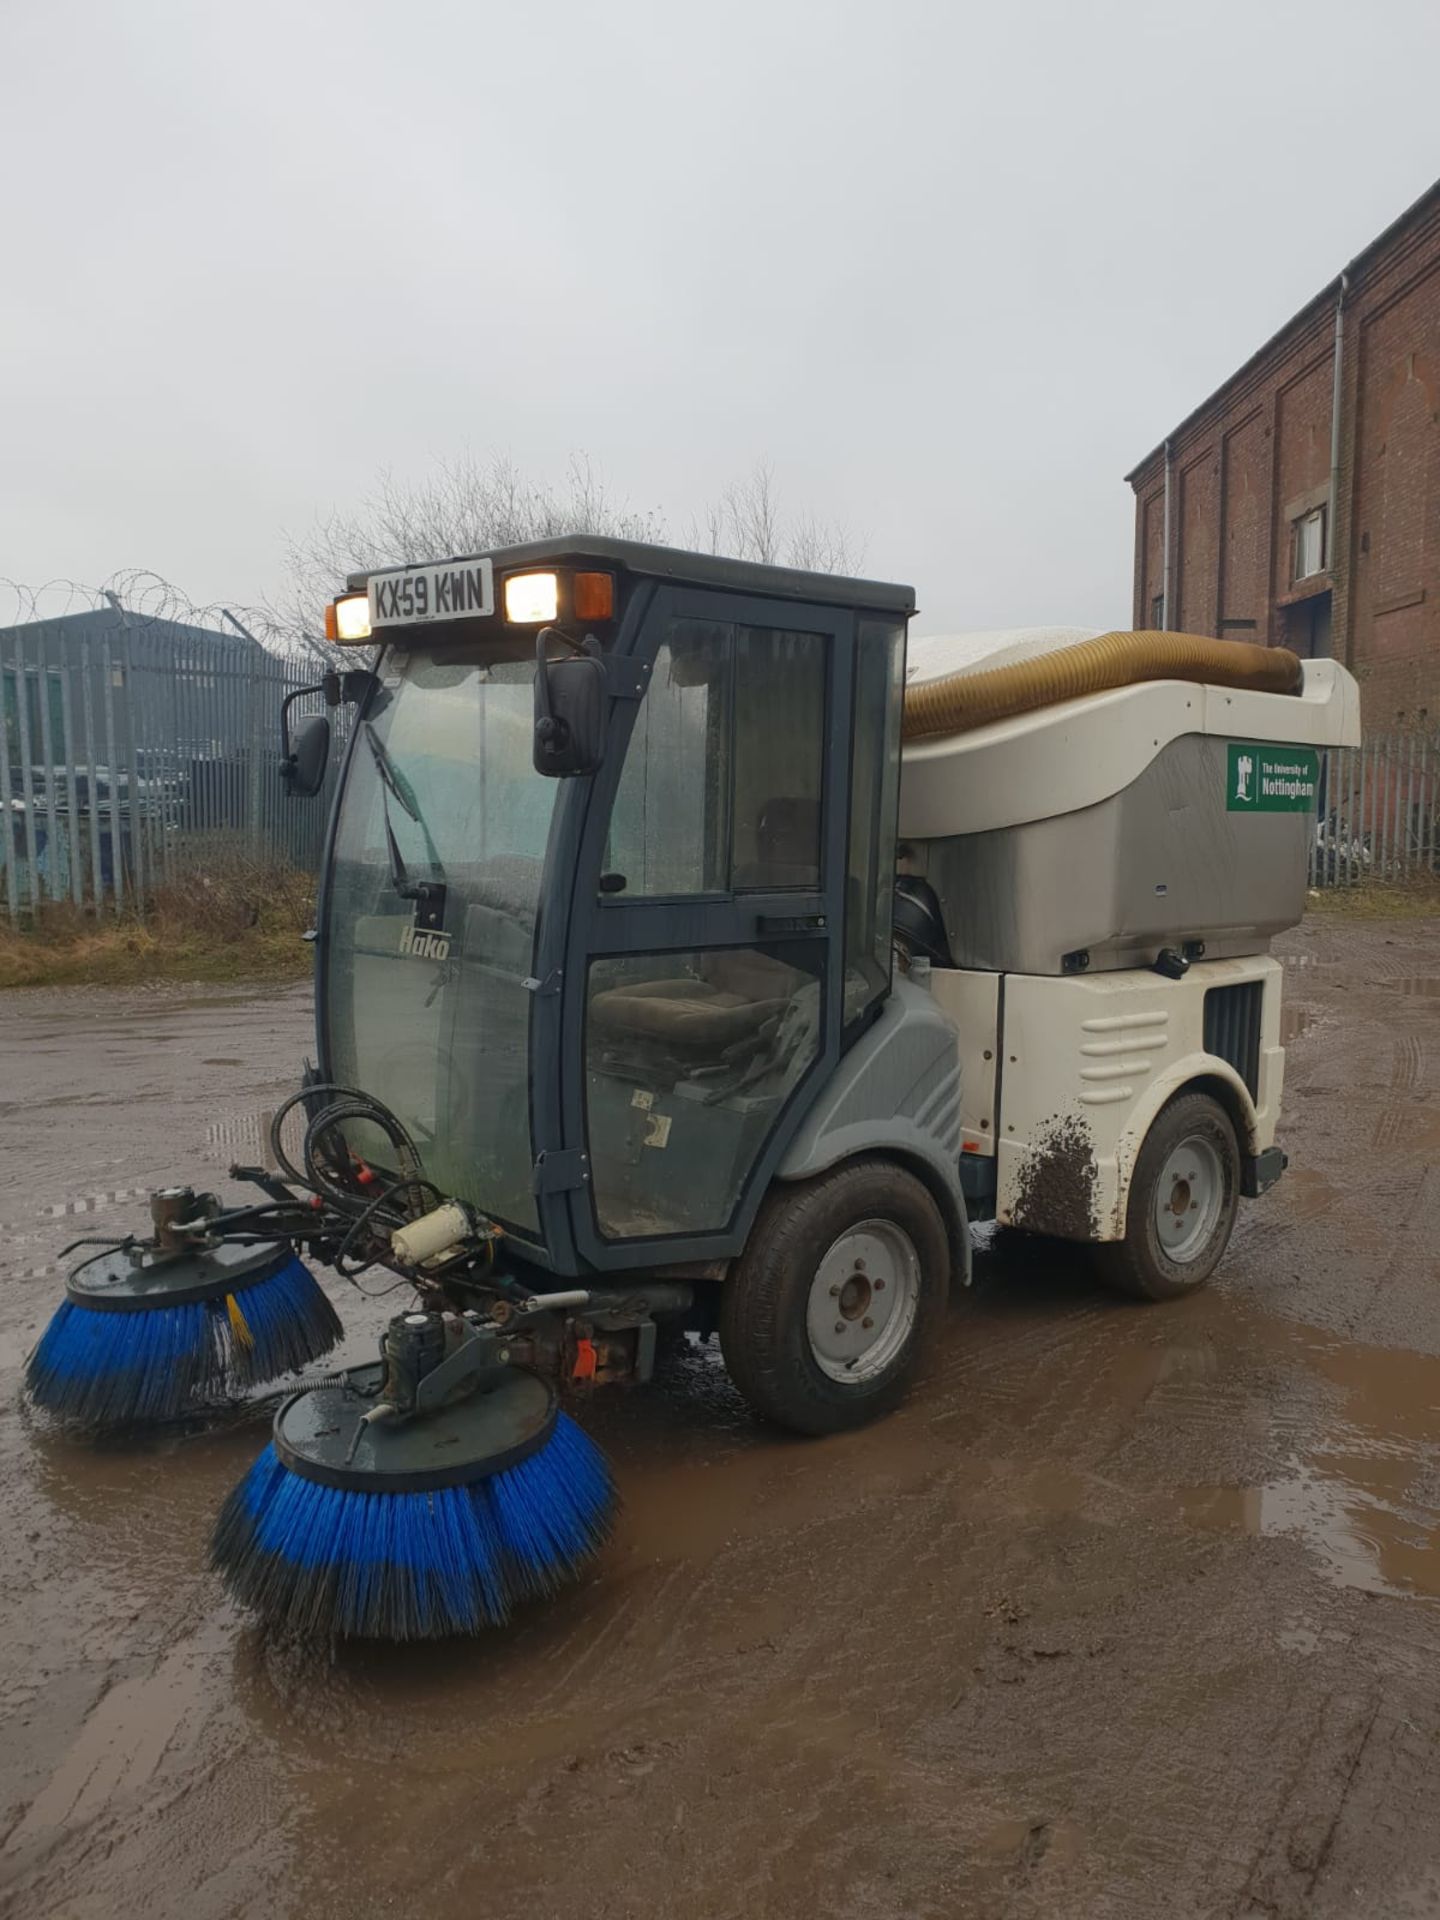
488	1431
114	1284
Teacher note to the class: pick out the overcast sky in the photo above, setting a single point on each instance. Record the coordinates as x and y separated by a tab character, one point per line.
952	269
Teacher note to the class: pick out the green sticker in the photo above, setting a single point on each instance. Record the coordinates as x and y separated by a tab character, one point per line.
1263	778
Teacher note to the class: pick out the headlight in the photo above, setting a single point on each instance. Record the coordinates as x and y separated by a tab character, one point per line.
532	599
347	621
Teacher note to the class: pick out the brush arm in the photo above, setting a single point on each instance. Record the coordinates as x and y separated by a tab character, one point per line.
466	1366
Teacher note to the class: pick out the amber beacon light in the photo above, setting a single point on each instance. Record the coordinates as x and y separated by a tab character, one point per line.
592	596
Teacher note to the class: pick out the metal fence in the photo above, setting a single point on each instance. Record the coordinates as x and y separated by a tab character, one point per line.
1379	811
130	748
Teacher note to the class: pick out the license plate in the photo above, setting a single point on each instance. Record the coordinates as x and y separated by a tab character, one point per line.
450	590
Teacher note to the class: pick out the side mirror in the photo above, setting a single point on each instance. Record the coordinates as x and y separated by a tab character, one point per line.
570	698
304	759
351	688
303	767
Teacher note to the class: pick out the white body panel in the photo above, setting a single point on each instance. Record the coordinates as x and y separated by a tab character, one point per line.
1086	1063
1080	752
972	1000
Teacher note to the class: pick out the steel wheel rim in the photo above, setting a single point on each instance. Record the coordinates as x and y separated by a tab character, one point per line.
1189	1199
863	1302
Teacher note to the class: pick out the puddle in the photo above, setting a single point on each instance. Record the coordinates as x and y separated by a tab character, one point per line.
1359	1499
124	1739
1358	1539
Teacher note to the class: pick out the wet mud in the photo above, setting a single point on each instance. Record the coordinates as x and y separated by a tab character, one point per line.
1130	1611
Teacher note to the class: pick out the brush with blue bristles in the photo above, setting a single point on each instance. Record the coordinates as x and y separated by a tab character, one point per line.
146	1335
373	1517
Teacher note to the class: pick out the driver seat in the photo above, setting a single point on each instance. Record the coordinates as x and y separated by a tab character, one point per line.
734	990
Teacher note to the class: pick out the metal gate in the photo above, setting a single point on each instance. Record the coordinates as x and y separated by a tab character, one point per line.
130	747
1379	811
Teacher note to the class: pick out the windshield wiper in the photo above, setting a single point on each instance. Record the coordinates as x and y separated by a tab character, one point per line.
429	895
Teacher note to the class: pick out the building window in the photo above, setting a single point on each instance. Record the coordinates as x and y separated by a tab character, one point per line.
1157	613
1310	544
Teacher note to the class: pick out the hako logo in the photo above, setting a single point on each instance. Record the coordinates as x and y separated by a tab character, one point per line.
1244	774
425	946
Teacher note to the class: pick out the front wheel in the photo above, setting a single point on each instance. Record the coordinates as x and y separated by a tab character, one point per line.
830	1307
1182	1203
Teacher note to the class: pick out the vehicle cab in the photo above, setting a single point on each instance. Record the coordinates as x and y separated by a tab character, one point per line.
602	999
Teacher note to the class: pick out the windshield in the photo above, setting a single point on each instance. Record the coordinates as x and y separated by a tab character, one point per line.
444	779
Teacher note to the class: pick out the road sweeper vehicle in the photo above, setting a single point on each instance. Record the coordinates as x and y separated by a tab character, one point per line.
680	965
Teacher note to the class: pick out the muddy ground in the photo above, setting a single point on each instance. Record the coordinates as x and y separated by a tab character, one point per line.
1133	1611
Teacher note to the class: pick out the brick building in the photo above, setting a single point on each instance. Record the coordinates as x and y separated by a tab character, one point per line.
1256	520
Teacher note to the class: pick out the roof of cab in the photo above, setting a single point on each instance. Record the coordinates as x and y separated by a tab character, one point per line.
693	569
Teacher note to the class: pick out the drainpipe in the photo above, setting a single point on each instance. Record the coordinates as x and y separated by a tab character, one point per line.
1332	517
1165	538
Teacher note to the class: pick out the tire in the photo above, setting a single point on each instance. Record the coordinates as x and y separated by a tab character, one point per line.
1188	1166
830	1246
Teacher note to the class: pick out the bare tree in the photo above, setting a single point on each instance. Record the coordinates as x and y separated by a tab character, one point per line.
748	522
470	506
823	546
750	516
466	506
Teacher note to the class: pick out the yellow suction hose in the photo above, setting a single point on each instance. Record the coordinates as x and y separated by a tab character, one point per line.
959	701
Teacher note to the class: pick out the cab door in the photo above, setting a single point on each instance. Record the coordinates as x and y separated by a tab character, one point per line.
703	1002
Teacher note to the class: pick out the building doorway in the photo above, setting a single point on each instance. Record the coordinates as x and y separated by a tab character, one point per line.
1308	627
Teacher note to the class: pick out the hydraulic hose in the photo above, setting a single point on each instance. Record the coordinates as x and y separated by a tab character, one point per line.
957	702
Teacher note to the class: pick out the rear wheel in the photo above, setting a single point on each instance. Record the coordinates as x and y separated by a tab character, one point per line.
830	1307
1182	1204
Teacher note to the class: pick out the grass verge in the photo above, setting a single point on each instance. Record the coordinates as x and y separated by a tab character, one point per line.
235	920
1419	899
